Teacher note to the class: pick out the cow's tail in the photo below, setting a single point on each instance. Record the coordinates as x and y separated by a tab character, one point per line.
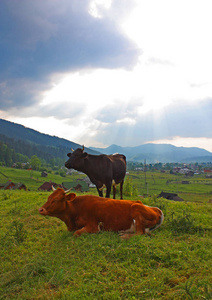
149	230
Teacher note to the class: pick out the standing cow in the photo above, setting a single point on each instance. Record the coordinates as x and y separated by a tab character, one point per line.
103	170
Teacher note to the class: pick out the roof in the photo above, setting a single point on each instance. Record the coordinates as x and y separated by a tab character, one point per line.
76	185
12	186
170	196
47	186
19	186
8	185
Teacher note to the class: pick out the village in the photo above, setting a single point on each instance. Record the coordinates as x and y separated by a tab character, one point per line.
145	178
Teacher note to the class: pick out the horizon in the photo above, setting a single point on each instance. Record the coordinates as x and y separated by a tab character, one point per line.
98	72
109	145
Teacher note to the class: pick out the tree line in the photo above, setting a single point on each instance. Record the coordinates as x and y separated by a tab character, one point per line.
18	151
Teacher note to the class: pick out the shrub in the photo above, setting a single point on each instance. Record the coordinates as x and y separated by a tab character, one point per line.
183	224
17	231
129	188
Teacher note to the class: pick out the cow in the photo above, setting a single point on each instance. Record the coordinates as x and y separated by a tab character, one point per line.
91	214
103	170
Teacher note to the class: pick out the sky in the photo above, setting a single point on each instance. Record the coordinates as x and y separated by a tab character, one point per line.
103	72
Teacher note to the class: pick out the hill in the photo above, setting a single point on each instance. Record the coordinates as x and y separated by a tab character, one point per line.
40	259
28	142
20	132
160	153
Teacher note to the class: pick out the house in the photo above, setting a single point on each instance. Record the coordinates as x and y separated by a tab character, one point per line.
207	171
170	196
75	185
47	186
189	173
7	186
208	176
20	186
44	174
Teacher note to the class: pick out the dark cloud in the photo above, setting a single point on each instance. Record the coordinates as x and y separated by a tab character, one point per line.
41	38
179	119
20	92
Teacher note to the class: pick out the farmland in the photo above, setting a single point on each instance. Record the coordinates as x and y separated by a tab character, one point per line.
41	260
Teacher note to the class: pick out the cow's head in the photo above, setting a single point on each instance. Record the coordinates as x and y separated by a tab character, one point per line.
56	203
76	159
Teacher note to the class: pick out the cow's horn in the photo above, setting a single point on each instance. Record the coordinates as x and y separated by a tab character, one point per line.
83	148
66	192
72	150
53	188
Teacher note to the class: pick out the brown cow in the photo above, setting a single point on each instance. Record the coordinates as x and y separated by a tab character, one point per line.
92	213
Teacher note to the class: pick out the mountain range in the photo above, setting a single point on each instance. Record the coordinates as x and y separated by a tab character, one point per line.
55	146
165	153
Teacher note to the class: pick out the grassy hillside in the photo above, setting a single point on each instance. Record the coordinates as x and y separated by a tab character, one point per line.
198	189
33	179
41	260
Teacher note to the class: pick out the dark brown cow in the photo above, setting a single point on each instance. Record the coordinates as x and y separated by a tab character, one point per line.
103	170
92	213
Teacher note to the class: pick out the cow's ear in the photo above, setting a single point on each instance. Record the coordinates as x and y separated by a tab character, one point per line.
85	154
71	196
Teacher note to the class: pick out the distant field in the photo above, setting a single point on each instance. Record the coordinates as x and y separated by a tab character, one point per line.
199	188
41	260
33	179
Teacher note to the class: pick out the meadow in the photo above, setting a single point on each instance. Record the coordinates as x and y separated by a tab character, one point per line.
40	259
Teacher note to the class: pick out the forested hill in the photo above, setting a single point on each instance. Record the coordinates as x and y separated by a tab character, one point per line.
20	132
16	139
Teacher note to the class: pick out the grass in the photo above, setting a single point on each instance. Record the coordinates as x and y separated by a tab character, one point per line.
33	179
41	260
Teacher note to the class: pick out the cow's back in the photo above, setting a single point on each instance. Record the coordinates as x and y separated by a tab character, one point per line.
115	215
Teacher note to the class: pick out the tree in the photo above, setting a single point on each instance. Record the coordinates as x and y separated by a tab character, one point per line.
35	162
8	157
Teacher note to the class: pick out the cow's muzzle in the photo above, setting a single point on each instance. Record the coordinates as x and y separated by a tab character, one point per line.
67	165
42	211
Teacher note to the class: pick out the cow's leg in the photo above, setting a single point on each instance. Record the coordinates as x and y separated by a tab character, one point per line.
125	234
100	192
108	190
140	222
91	228
121	189
138	225
114	191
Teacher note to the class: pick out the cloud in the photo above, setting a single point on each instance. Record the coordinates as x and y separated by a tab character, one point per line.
69	68
119	111
39	39
182	118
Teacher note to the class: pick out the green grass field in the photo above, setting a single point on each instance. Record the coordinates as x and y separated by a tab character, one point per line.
41	260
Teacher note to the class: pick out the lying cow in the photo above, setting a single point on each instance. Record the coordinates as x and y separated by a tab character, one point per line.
92	213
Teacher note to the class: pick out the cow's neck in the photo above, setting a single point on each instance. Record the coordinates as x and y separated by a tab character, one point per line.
68	217
88	166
